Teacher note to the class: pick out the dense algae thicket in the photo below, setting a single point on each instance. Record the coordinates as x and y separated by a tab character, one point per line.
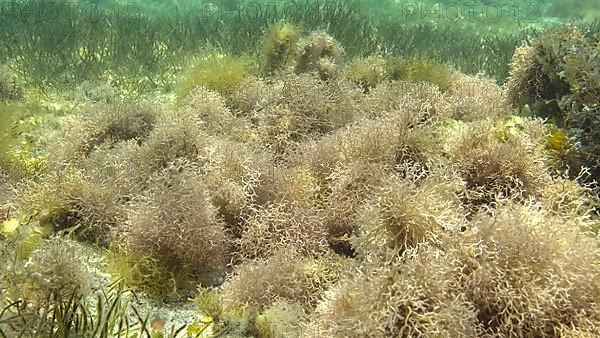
299	182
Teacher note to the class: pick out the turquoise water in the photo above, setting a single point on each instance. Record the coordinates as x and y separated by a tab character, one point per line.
66	41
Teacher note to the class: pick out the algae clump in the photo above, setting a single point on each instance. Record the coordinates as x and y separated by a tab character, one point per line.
219	73
279	46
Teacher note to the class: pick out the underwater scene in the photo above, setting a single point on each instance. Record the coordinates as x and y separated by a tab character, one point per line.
299	168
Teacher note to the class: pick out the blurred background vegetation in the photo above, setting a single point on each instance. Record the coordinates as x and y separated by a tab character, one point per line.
141	46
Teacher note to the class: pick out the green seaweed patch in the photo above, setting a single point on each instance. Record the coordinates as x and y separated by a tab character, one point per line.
558	139
216	72
559	147
281	319
148	274
509	127
368	72
236	322
9	227
23	136
419	70
22	237
279	46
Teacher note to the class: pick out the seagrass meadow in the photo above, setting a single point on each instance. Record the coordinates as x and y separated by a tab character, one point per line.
236	168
